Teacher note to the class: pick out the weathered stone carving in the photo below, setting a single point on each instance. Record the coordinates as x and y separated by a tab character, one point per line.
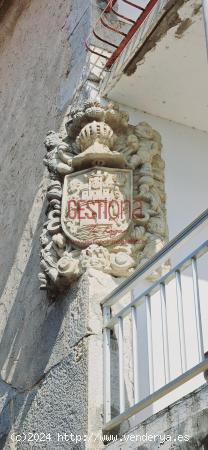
106	196
93	206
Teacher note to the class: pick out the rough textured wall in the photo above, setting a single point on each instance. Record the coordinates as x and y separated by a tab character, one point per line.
41	63
38	73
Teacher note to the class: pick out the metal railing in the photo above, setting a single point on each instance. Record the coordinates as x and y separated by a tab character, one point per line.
123	37
112	320
116	29
137	36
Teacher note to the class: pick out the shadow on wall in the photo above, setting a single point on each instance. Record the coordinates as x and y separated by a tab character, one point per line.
43	61
38	336
7	29
43	360
205	444
26	344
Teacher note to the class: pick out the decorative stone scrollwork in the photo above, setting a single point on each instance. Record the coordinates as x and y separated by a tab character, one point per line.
106	196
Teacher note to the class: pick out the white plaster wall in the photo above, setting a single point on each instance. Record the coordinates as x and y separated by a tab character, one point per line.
170	81
185	152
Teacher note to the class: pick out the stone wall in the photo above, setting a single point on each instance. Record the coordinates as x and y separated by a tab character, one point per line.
50	351
52	392
42	64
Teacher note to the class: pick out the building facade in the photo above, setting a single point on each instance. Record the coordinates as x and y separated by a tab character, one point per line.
103	247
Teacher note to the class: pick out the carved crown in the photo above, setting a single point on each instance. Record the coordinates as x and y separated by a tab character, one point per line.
95	131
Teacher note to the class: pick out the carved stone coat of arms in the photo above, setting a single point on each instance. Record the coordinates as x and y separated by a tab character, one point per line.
106	197
96	206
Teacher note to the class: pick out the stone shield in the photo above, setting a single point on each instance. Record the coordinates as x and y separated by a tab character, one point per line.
96	205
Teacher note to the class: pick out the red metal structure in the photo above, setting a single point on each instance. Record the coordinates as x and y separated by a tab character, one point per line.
135	24
110	5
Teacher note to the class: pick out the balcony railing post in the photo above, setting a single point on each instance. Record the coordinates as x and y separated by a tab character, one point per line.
130	310
165	333
107	369
150	346
121	365
135	351
182	340
197	309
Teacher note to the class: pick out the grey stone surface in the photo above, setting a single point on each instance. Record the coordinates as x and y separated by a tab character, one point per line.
50	351
78	30
51	396
41	68
40	71
37	49
38	333
35	56
51	408
58	402
7	393
100	285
